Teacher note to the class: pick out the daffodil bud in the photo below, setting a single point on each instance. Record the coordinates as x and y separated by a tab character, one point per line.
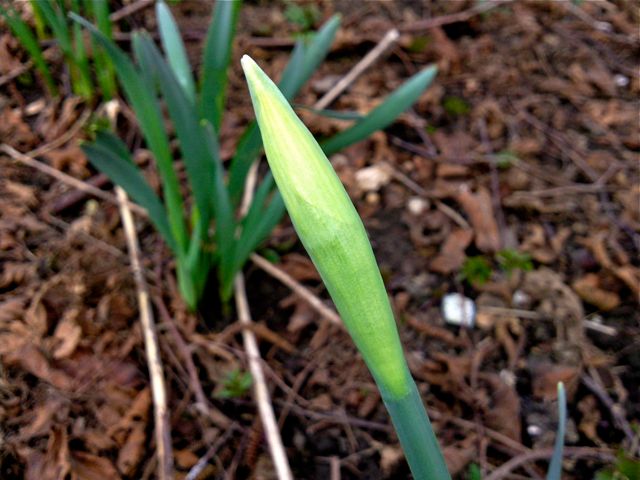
331	231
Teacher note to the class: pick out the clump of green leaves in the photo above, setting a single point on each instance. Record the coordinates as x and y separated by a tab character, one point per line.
456	106
510	260
505	159
211	235
304	16
51	21
236	384
625	468
476	270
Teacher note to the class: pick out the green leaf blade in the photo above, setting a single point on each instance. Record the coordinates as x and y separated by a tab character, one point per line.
174	49
142	99
215	61
109	155
30	43
385	114
197	158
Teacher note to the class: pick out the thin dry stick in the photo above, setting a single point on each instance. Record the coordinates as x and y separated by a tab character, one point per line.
202	404
260	390
162	430
390	37
605	455
130	9
417	189
297	288
67	179
16	72
453	18
64	138
260	385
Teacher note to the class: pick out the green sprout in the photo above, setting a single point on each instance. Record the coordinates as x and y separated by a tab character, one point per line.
334	236
555	466
236	384
211	236
511	260
505	159
304	16
476	270
51	17
456	106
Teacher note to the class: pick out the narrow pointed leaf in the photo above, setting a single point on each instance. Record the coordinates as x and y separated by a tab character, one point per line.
555	466
83	85
385	114
338	115
174	48
142	98
109	155
215	61
223	210
197	158
104	68
28	40
315	51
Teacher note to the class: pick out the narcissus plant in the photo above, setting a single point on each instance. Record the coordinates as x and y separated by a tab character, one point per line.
333	234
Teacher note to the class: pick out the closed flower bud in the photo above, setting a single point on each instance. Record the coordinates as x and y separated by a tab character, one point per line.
331	231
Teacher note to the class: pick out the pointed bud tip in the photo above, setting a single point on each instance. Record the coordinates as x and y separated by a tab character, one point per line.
247	62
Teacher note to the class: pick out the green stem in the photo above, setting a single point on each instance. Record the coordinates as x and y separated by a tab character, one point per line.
416	435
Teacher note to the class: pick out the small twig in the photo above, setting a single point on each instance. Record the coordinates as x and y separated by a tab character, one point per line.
334	467
599	327
71	198
297	288
261	392
390	37
202	404
67	179
162	428
453	18
62	139
197	469
562	144
528	314
418	190
604	455
25	67
130	9
618	416
495	184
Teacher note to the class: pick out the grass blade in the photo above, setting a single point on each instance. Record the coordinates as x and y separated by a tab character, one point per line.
174	48
215	61
83	85
109	155
104	68
385	114
555	467
148	113
197	158
29	41
223	212
338	115
56	21
315	51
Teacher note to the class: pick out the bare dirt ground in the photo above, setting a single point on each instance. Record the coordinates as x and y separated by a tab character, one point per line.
513	181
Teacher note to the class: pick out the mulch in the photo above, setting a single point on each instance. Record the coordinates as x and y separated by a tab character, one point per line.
520	162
